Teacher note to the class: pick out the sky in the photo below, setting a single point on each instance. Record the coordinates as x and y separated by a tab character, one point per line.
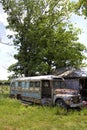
7	52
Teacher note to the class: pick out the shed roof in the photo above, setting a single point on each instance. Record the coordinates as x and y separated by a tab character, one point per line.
74	73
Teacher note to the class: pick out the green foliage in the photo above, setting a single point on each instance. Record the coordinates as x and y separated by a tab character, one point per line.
45	39
4	82
81	7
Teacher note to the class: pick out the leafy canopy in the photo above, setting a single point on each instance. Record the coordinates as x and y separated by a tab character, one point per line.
81	7
45	38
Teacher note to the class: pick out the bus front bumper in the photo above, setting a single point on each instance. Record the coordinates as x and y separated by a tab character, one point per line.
76	105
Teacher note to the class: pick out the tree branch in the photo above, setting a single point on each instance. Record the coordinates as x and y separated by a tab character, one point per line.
6	44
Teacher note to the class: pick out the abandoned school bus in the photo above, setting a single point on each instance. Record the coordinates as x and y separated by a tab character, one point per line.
45	90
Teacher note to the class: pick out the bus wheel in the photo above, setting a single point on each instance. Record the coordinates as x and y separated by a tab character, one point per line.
19	97
62	108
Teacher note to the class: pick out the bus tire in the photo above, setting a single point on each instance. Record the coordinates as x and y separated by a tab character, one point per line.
19	97
61	103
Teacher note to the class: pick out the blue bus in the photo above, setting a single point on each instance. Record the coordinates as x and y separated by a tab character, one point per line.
45	90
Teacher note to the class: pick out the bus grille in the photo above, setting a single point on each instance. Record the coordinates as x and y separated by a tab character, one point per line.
76	99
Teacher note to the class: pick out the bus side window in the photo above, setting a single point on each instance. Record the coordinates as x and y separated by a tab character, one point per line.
19	84
12	84
27	85
37	86
16	84
23	84
31	86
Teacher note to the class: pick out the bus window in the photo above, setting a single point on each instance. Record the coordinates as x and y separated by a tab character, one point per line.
16	84
31	86
27	85
62	85
37	86
23	84
12	85
19	84
56	84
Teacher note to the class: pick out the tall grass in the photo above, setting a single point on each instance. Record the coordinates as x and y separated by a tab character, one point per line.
16	116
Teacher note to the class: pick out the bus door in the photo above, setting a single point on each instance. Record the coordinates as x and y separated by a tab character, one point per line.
46	89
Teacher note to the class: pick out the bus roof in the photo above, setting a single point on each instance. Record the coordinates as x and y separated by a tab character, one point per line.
36	78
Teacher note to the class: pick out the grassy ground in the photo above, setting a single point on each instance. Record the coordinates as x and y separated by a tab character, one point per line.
16	116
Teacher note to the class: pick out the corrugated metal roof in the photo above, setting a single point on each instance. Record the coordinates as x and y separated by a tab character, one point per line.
74	73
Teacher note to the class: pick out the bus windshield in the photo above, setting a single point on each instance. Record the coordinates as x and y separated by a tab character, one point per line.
59	84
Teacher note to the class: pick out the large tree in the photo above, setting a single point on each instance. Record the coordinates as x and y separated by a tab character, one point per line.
81	7
45	39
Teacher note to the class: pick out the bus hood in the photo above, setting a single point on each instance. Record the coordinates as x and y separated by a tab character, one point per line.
66	91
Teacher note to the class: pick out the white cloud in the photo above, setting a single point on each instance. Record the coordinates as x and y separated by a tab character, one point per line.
3	19
3	74
3	16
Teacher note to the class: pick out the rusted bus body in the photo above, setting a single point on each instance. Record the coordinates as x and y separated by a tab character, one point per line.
48	89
